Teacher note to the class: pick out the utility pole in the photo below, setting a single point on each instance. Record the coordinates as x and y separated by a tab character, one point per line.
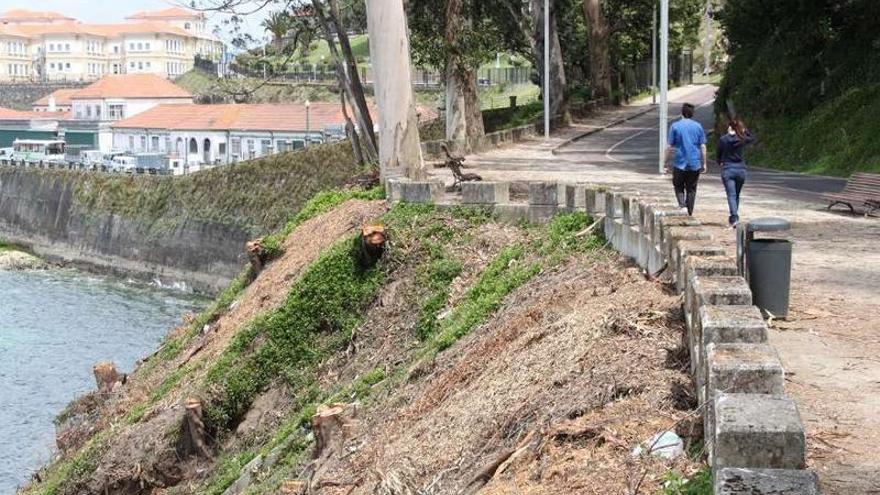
664	81
654	55
546	69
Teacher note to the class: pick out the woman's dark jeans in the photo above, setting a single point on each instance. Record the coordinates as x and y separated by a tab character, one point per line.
733	178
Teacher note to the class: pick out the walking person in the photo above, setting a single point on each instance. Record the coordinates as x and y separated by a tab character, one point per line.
687	152
733	165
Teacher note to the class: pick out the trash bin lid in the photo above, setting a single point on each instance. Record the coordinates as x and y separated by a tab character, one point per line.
769	224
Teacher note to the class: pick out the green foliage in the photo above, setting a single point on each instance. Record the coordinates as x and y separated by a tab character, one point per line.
698	484
321	203
227	471
788	57
61	477
326	301
837	138
508	118
436	277
258	195
504	274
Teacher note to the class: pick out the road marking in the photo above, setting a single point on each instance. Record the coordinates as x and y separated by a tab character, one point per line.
628	138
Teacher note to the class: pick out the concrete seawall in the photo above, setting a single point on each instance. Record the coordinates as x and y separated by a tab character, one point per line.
42	212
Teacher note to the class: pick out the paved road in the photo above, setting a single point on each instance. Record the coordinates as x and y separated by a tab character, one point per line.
633	146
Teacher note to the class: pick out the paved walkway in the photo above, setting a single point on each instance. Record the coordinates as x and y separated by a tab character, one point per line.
830	344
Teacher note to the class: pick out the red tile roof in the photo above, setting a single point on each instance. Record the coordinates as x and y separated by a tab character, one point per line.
132	86
10	114
243	117
169	13
257	117
23	15
62	97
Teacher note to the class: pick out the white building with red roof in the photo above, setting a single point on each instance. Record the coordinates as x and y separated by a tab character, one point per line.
51	46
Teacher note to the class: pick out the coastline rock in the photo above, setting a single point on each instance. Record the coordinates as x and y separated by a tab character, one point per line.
18	260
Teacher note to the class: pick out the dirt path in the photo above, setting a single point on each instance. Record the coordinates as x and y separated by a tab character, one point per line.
830	345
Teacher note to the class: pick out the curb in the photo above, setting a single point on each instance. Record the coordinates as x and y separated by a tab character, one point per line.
558	148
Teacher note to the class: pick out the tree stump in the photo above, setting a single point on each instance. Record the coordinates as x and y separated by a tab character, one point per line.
106	376
195	426
370	246
256	255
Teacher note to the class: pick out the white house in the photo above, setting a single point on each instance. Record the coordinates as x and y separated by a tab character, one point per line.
193	136
118	97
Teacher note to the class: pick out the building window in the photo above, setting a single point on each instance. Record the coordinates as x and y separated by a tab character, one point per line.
147	46
236	146
167	144
265	146
67	66
67	47
154	143
88	111
221	149
143	143
116	112
130	143
98	112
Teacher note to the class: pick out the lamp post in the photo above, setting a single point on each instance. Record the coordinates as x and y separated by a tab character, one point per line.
308	130
546	69
664	81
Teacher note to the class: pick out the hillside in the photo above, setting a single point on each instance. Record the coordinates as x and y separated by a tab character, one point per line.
837	138
476	357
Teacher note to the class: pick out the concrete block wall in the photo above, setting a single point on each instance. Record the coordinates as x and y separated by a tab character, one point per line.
753	432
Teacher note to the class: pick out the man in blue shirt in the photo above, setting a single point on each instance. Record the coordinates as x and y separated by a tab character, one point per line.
687	152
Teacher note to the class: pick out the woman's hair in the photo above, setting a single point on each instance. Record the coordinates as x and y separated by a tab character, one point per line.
739	128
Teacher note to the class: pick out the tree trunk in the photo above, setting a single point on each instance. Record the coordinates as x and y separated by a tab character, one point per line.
464	118
349	80
598	37
558	86
400	152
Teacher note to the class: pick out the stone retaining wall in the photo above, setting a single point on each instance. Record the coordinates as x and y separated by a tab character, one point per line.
753	431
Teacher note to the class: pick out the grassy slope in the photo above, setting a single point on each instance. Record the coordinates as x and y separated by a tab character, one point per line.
838	138
260	195
317	321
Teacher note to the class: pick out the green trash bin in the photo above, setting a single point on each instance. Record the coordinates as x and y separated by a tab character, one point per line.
767	265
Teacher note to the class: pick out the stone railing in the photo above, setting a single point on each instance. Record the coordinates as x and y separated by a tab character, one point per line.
754	435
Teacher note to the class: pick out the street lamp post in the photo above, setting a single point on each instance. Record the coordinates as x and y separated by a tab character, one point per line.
546	69
308	129
664	81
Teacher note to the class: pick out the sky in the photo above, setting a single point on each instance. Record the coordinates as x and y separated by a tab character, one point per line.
108	11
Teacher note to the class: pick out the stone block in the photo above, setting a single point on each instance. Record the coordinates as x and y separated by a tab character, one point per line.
737	368
630	241
575	197
683	250
629	204
757	431
739	481
544	193
512	212
655	215
678	221
594	199
485	193
672	235
706	291
646	206
613	204
737	324
405	191
540	214
699	261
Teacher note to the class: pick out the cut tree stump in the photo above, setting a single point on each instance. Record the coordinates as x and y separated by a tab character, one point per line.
196	427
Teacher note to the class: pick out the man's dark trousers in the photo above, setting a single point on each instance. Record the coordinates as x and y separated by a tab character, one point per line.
685	183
